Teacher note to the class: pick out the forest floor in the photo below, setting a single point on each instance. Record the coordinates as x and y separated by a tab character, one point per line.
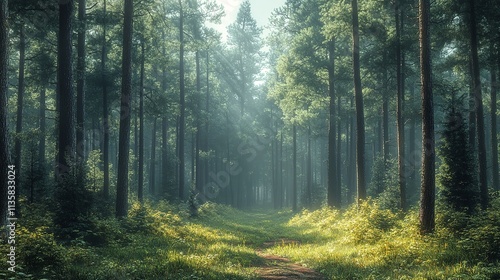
161	241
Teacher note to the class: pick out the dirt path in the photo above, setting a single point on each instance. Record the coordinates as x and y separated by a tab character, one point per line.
280	268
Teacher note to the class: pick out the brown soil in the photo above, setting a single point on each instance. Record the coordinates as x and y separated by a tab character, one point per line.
280	268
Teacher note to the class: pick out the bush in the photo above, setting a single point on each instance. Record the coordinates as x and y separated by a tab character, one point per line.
39	251
367	223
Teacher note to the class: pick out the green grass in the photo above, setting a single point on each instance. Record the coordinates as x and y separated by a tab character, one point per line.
161	242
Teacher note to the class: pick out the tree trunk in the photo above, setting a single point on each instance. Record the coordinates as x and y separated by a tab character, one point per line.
428	186
125	112
140	184
152	170
80	81
309	179
164	154
399	111
182	104
19	121
294	168
478	100
66	145
339	150
105	121
360	117
334	199
199	163
4	148
494	139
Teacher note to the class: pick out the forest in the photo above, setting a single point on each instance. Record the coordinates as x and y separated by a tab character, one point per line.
141	139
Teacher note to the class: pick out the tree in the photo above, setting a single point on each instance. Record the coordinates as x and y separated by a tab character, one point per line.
399	111
334	190
457	169
105	120
182	122
428	185
4	148
140	186
80	80
478	102
20	98
125	112
66	129
358	95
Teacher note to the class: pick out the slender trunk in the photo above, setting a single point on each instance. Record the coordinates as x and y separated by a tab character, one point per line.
124	135
4	148
478	100
164	157
309	180
399	111
140	184
105	121
80	82
472	111
152	170
385	115
339	149
19	121
360	117
199	164
494	139
207	115
294	168
428	186
334	199
42	127
182	104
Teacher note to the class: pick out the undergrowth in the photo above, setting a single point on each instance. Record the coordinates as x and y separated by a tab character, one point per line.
161	241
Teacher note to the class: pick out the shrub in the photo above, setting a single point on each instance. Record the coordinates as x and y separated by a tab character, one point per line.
367	223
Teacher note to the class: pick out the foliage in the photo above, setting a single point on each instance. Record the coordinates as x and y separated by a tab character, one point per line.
457	176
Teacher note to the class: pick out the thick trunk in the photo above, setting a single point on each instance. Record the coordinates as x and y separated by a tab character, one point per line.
478	99
309	180
360	116
428	186
125	112
66	145
80	81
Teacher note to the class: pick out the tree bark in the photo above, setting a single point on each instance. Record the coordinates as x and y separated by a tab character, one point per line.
19	121
140	184
105	120
334	199
66	133
428	185
478	102
294	169
182	104
360	117
152	170
4	148
399	111
80	81
494	139
125	112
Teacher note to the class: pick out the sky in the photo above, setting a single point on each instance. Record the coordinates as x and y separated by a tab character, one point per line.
261	11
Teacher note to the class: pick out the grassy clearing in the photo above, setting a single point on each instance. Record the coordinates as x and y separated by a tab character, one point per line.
162	242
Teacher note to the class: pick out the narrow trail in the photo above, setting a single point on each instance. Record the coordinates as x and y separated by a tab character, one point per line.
281	268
